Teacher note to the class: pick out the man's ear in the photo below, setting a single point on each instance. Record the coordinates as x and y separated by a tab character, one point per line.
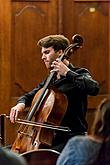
60	52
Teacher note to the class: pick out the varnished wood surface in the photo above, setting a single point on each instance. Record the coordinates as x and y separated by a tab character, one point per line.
23	23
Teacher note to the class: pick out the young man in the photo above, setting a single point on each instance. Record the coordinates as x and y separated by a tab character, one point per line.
75	83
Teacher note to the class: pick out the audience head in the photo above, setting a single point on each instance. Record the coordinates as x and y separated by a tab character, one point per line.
101	125
7	157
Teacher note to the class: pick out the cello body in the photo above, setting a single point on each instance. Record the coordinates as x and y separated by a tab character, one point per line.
51	111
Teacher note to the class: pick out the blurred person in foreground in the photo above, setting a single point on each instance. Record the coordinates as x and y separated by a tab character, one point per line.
7	157
93	149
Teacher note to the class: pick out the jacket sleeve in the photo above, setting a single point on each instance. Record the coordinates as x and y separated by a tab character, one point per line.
28	97
82	79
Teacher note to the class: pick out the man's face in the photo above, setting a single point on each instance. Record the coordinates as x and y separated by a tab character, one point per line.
49	55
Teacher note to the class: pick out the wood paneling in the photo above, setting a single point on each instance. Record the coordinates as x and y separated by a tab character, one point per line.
29	20
30	0
5	56
21	66
91	1
90	19
96	40
5	43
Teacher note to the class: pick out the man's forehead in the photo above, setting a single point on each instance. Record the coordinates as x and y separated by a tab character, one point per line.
46	49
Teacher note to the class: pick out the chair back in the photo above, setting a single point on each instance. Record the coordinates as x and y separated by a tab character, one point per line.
2	129
41	157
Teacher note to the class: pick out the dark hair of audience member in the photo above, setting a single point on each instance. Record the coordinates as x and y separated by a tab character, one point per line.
101	130
7	157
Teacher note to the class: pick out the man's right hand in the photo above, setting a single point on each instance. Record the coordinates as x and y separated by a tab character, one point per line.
15	111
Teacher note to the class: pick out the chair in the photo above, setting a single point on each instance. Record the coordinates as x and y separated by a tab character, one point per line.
41	157
2	129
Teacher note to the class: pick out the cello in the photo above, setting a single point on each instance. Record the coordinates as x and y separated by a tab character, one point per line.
48	107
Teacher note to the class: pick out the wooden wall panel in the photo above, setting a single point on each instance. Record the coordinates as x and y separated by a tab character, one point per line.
109	51
5	55
30	22
92	23
24	22
5	42
91	0
91	19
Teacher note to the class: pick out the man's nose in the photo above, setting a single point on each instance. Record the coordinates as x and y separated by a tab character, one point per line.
43	56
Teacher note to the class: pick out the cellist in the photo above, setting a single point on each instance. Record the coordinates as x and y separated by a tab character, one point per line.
75	83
